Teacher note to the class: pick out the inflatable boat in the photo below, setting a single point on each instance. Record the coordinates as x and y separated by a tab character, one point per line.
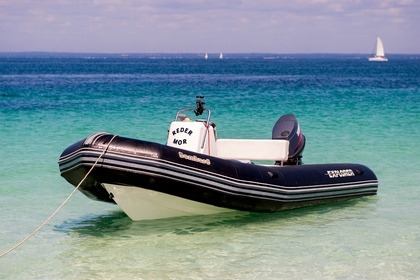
196	173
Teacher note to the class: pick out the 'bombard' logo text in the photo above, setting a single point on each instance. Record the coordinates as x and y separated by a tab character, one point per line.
194	158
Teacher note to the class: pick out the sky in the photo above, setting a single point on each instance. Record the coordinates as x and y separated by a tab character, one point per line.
198	26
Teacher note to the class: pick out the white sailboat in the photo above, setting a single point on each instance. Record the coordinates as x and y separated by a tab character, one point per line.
378	52
206	56
221	56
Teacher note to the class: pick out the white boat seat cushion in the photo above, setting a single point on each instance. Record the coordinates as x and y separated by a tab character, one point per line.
253	149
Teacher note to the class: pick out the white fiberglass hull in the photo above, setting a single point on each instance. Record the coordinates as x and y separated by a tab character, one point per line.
142	204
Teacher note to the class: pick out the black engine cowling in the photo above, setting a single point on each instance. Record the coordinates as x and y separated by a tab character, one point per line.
287	128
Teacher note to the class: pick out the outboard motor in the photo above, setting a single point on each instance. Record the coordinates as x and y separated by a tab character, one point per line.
287	128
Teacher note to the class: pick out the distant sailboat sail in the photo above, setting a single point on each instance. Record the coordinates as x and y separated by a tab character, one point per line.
221	56
378	53
206	56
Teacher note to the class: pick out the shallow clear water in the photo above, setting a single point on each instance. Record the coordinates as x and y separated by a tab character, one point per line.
350	111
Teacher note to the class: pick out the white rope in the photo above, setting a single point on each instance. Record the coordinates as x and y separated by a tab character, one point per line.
61	206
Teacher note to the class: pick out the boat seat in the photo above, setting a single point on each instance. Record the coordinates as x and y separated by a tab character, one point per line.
253	149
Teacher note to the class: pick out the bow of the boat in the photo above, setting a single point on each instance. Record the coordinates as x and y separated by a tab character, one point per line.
78	159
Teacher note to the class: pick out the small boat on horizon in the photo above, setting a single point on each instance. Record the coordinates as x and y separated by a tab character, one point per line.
378	52
196	173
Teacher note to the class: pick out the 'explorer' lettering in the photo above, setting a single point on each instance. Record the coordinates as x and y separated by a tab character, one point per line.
340	173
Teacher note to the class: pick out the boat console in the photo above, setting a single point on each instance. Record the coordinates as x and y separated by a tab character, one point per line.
193	135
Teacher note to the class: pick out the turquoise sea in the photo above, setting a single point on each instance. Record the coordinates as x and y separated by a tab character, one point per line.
349	109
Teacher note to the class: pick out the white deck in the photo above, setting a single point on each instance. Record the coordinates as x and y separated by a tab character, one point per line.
253	149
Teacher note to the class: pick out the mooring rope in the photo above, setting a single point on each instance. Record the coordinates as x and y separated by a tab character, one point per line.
61	206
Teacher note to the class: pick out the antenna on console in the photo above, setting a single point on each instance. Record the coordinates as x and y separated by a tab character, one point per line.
200	105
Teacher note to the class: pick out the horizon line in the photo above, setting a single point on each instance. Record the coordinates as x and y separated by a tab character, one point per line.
195	53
